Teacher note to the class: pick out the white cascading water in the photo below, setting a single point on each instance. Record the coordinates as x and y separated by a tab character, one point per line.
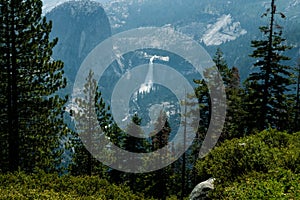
148	83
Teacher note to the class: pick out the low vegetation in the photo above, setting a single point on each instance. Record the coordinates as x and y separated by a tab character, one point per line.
40	185
261	166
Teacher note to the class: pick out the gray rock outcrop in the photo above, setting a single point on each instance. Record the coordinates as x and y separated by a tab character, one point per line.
200	192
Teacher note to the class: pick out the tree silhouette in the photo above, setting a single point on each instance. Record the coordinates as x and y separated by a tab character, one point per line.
92	125
266	87
31	119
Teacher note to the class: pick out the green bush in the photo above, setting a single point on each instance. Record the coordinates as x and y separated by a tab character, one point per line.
50	186
244	167
276	184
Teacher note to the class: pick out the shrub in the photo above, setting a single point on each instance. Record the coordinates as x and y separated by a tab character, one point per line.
276	184
50	186
251	162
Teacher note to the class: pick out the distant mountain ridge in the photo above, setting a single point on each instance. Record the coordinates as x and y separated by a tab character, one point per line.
81	25
48	5
230	25
213	23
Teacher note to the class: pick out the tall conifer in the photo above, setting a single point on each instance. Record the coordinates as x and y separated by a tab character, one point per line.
268	84
31	112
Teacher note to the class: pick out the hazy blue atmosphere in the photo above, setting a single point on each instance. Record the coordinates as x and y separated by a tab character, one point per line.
50	4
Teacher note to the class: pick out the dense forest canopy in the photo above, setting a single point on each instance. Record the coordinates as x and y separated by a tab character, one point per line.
257	154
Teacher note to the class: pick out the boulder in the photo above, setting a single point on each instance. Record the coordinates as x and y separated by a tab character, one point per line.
200	192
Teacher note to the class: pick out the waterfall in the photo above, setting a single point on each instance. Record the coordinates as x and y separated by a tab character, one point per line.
148	83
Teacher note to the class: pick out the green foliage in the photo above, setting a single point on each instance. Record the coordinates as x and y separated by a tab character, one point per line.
40	185
92	125
268	84
295	100
161	131
233	126
31	111
161	177
132	141
236	162
261	166
275	184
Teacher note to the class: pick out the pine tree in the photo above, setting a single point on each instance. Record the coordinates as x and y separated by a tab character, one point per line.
31	119
231	80
222	67
233	126
160	138
134	143
93	122
268	84
235	123
296	109
161	132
